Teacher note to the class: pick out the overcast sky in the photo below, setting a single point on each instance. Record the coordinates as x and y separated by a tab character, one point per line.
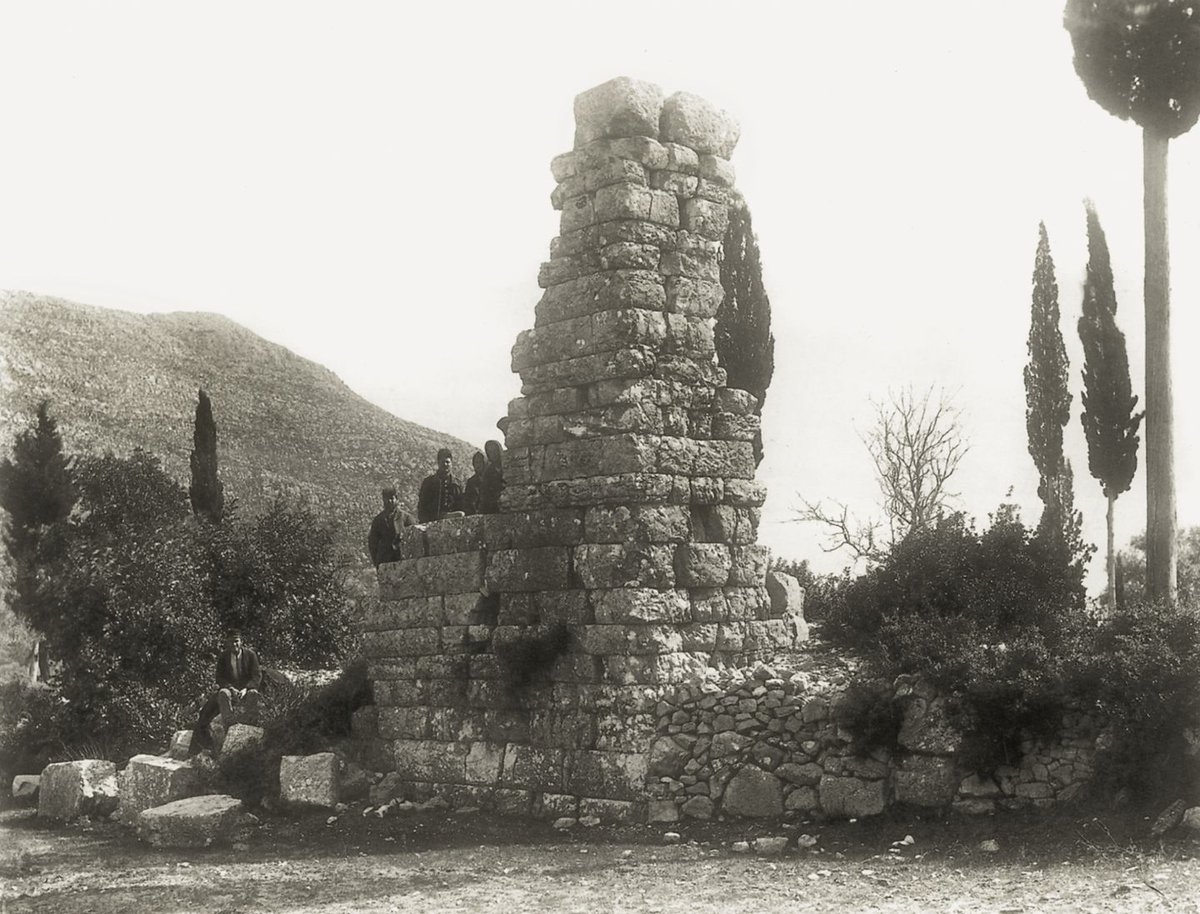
368	184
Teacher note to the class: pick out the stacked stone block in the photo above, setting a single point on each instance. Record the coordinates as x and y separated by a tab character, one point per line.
520	655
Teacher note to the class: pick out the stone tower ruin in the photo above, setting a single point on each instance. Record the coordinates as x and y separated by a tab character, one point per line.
518	658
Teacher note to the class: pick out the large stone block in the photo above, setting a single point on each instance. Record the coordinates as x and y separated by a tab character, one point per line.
69	790
655	669
431	760
640	606
194	822
241	739
748	565
602	566
606	775
434	574
787	602
705	218
702	564
851	798
518	570
150	780
753	793
693	297
533	768
925	780
25	787
699	125
616	454
630	639
484	763
637	523
309	780
621	107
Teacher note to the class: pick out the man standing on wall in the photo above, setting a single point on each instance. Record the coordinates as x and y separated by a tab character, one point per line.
381	541
440	492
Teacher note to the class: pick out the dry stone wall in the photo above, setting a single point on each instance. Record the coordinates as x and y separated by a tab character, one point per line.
517	658
767	742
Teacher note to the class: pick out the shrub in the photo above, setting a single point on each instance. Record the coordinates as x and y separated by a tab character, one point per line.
869	711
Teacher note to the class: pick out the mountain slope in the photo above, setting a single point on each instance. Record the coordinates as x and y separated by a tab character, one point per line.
285	425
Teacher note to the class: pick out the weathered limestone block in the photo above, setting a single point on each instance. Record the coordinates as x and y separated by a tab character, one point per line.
702	564
637	523
748	565
533	768
745	492
534	529
403	723
613	171
68	790
609	291
632	362
241	739
730	459
698	124
615	454
150	780
484	762
654	668
181	745
925	780
698	807
606	775
661	811
625	488
851	797
728	427
512	570
753	793
632	565
431	760
667	756
621	107
630	639
434	574
787	602
194	822
646	150
309	780
675	182
563	166
694	297
623	605
407	612
461	534
717	169
705	218
25	787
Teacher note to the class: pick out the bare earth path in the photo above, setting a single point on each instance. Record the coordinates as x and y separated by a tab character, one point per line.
475	862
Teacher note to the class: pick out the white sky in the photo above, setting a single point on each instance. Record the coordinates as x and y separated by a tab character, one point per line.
368	184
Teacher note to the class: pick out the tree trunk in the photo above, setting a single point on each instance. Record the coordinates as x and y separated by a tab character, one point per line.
1112	556
1161	543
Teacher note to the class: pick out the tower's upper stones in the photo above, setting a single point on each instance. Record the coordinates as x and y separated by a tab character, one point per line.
624	107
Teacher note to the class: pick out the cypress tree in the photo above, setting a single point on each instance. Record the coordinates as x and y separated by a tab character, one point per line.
745	346
206	491
1108	402
1047	399
37	491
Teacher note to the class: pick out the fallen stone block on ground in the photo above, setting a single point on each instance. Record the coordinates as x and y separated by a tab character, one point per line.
195	822
309	780
150	780
25	787
241	738
68	790
181	745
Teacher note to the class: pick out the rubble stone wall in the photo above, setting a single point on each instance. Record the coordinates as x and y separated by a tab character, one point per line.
523	653
767	743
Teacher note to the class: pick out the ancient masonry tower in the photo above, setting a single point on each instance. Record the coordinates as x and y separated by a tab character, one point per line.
518	658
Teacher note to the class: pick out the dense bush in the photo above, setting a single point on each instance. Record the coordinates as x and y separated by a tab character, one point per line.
998	621
1002	581
137	597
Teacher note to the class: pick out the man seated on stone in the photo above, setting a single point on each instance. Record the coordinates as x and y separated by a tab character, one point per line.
493	480
471	491
381	541
440	493
238	678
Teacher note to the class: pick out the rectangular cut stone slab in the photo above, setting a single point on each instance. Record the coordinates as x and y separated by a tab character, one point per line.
150	780
621	107
72	789
309	780
25	787
193	822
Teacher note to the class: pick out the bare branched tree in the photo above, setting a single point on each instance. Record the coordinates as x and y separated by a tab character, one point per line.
916	444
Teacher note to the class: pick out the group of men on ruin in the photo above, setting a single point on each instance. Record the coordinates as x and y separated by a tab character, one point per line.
440	496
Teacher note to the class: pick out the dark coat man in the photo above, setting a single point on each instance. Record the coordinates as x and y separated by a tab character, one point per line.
239	675
471	491
493	480
440	492
381	540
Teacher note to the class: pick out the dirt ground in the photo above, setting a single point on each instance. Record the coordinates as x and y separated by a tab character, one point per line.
436	861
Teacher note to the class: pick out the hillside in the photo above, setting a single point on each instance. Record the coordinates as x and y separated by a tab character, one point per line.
286	426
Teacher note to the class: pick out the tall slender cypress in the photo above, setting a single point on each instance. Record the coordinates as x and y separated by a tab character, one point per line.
206	491
1047	399
1108	417
745	346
